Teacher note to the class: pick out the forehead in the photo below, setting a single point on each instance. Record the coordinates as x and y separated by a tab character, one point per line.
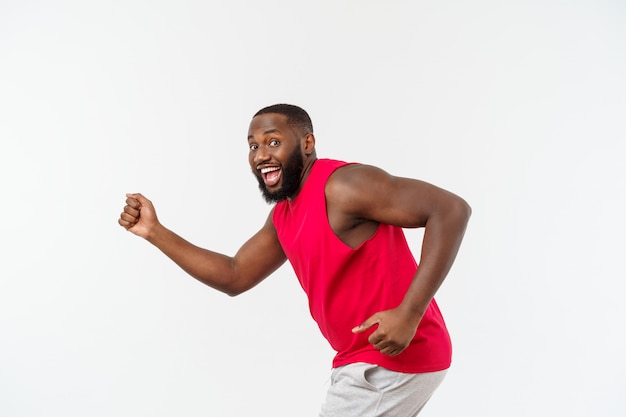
268	122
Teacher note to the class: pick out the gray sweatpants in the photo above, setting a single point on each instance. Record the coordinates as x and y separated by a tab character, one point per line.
365	390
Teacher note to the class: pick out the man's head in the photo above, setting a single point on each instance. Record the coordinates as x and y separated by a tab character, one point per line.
297	118
282	150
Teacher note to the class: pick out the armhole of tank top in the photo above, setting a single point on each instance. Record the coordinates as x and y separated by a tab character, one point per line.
360	245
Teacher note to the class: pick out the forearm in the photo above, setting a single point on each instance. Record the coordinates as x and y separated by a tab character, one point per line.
442	239
211	268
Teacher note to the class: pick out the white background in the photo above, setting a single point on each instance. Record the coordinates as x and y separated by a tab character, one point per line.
517	106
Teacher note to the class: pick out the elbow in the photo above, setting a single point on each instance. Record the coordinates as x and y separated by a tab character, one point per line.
236	287
461	211
231	288
233	292
234	284
467	210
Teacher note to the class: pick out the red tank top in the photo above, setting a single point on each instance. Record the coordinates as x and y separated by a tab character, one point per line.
345	286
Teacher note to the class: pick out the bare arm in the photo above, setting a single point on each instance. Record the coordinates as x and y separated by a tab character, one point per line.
367	194
256	259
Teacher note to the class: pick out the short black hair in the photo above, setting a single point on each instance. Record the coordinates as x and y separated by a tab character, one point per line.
296	116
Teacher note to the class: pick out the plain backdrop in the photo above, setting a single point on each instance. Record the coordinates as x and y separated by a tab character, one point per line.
517	106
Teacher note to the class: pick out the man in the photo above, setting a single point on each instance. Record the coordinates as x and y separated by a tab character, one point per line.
340	226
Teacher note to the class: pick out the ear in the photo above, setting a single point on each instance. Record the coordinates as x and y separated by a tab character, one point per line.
308	143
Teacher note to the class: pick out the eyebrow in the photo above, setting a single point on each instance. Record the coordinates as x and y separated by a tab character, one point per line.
267	132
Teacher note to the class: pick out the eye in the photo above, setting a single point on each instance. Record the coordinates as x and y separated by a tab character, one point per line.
274	142
254	147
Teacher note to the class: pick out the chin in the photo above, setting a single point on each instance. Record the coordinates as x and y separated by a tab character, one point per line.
275	196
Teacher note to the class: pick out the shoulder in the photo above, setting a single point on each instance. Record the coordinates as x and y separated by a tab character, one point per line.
354	188
355	177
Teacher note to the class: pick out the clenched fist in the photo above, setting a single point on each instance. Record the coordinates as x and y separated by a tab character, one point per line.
139	215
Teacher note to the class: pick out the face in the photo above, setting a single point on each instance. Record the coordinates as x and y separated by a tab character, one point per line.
275	156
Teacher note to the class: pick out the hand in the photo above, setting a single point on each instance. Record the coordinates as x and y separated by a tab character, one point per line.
394	333
139	215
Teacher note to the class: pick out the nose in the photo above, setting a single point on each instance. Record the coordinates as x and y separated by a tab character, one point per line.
261	155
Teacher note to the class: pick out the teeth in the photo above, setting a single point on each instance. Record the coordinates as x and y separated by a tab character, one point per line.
269	169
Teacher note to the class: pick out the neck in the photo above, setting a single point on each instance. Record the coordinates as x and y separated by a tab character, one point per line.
308	166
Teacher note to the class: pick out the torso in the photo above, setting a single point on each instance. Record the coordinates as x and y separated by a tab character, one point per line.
351	267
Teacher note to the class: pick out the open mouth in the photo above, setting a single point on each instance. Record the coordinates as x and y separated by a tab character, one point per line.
271	175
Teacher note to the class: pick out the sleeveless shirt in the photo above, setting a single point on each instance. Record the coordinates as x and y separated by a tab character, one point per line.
346	285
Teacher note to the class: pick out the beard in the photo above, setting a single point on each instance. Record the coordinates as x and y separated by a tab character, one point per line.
292	172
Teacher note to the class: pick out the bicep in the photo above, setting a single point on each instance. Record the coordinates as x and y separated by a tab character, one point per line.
373	194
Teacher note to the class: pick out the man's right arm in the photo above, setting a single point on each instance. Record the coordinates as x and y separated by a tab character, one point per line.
256	259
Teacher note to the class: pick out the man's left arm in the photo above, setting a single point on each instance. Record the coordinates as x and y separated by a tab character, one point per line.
372	194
